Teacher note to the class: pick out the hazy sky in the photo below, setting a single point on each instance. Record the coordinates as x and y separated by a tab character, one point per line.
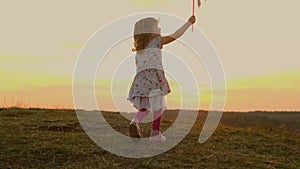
258	42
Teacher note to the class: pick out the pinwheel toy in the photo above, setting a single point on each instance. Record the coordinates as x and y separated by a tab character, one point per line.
193	9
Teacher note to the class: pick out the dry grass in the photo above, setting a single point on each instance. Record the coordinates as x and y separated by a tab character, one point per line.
38	138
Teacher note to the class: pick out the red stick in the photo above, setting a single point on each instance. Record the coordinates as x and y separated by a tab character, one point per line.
193	13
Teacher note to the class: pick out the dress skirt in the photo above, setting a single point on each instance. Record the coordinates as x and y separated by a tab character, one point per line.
148	90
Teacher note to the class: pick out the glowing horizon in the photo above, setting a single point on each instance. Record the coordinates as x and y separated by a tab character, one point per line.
238	95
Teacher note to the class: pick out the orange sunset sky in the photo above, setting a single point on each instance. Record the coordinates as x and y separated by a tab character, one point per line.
257	41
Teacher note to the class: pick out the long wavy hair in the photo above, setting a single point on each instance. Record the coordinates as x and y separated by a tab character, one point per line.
141	41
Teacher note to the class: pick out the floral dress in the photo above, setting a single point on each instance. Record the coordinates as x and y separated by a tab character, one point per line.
150	85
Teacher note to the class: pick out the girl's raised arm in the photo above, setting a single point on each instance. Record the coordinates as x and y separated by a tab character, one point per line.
168	39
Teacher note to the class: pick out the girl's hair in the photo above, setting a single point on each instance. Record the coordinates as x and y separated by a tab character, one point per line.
141	41
144	32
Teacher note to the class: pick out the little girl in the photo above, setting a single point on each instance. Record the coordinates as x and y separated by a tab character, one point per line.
149	87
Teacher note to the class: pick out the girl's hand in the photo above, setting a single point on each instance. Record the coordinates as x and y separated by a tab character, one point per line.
168	39
192	19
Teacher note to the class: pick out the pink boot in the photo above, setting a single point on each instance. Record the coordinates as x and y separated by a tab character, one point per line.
157	136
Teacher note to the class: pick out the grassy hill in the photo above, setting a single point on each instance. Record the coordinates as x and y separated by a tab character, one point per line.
40	138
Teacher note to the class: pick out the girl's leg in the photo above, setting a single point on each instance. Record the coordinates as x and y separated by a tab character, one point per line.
158	105
157	120
155	132
140	115
134	129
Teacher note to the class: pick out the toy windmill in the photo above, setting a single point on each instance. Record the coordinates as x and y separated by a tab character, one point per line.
193	9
